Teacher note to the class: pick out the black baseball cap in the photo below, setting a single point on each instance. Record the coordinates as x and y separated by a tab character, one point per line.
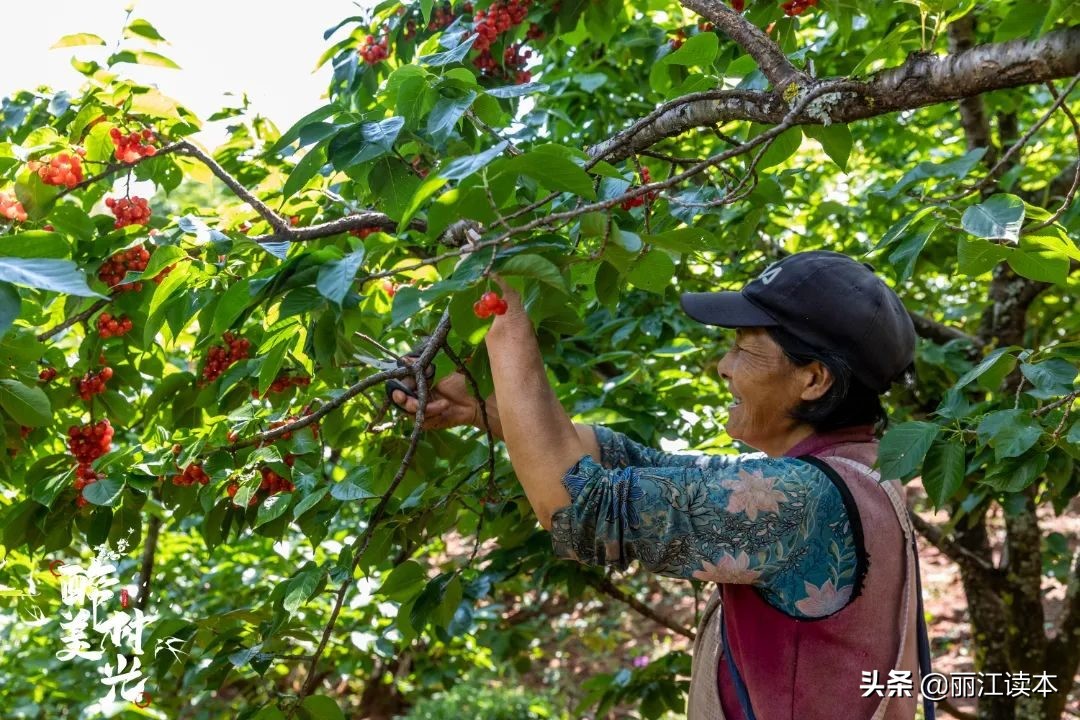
828	301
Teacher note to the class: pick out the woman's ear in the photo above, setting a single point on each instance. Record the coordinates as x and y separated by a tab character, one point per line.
816	380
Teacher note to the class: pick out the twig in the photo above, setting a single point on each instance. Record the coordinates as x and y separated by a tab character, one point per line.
609	588
146	569
492	488
768	55
80	317
361	543
280	224
995	171
1056	404
511	149
1076	175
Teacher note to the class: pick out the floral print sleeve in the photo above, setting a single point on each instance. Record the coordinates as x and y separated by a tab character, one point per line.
617	450
779	524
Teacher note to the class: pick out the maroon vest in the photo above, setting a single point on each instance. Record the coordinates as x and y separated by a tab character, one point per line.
797	669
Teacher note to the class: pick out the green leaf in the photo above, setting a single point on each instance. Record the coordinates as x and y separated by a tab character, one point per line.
300	588
783	146
231	305
1042	264
105	492
361	142
306	169
551	166
26	405
335	278
293	133
348	491
1052	378
320	707
77	39
690	239
429	187
536	267
997	218
142	28
168	287
976	257
309	502
61	276
34	244
141	57
899	228
453	55
907	252
1010	432
74	221
272	508
698	50
10	306
445	115
835	140
460	168
653	272
403	582
163	257
943	470
902	449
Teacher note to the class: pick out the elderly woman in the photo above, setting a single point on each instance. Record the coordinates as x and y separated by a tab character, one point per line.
811	627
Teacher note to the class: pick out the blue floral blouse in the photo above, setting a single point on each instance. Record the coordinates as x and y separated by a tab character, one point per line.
778	523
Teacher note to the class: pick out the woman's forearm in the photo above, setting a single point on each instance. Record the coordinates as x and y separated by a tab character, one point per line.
585	433
540	439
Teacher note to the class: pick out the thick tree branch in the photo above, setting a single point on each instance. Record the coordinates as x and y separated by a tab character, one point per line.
768	55
954	551
146	569
939	333
922	80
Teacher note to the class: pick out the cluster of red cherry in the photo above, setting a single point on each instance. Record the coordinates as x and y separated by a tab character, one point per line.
374	51
498	18
109	326
89	442
129	211
641	199
117	266
11	209
288	433
84	475
535	32
272	483
192	474
797	7
65	169
47	374
363	232
219	358
92	383
489	304
134	146
283	382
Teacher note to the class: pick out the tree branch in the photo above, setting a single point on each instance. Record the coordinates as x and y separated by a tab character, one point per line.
939	333
360	545
922	80
1063	651
609	588
146	570
768	55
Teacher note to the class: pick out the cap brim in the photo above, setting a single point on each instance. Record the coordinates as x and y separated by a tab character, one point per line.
725	309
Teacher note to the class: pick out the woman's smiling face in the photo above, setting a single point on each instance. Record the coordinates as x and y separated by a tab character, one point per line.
766	386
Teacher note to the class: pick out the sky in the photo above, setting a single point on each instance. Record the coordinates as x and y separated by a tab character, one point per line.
266	49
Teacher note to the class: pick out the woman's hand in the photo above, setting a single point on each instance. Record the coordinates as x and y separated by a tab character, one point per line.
451	403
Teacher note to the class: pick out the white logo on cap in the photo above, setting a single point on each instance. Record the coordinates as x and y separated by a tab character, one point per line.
770	274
